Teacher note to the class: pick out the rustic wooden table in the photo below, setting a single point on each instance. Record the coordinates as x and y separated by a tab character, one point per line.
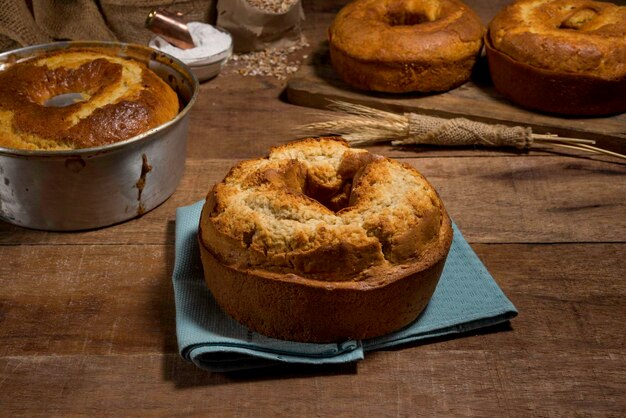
87	319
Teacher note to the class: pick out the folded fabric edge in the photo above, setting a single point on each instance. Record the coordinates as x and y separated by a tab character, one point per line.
458	328
344	348
248	363
202	354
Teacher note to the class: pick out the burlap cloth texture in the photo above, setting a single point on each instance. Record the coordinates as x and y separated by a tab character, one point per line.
101	20
425	129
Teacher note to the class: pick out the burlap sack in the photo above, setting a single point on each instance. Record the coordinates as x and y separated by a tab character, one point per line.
254	30
71	19
127	17
18	27
111	20
50	20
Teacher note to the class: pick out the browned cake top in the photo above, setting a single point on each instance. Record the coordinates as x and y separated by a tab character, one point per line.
121	98
570	36
407	30
319	209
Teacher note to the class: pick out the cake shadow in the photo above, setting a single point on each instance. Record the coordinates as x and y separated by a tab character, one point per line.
185	375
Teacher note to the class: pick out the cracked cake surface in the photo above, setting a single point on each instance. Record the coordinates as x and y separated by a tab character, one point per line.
320	242
282	212
570	36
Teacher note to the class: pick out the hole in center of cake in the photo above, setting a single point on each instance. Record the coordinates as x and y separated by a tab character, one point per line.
333	199
66	99
404	18
336	194
578	18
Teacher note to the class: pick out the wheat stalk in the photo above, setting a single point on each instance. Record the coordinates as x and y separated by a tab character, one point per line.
362	125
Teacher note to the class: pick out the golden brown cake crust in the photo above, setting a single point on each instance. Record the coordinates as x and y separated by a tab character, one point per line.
569	36
560	56
123	99
407	45
318	229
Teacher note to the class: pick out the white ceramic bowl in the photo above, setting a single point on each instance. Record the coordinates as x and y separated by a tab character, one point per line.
205	67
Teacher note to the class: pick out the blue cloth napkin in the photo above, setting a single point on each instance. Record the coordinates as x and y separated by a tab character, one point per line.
466	298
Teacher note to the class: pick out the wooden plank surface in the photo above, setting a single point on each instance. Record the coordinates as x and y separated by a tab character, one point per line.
87	322
71	303
442	383
108	339
528	199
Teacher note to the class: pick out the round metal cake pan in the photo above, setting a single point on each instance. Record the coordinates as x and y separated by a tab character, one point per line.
101	186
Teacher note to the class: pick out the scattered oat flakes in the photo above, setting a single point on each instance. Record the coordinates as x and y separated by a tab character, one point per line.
273	62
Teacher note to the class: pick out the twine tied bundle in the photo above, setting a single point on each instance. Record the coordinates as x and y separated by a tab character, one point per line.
424	129
363	125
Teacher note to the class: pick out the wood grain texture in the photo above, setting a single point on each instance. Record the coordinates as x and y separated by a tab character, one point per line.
72	302
87	321
444	383
533	199
108	342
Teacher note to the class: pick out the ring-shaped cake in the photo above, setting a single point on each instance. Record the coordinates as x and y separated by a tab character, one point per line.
320	242
560	56
117	98
405	46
